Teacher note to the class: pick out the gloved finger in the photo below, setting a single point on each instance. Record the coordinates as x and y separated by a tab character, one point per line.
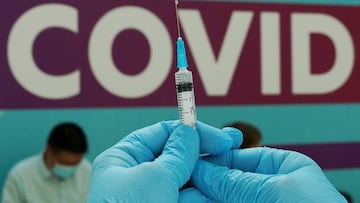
263	160
216	141
232	185
180	154
270	160
139	146
191	195
226	185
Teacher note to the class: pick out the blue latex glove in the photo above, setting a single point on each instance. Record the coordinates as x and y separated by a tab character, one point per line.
260	175
152	163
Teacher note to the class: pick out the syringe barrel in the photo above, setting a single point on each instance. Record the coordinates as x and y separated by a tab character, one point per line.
185	97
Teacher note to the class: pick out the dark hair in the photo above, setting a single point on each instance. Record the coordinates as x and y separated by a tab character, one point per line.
69	137
251	135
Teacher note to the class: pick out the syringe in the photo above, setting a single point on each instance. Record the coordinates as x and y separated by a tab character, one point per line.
184	83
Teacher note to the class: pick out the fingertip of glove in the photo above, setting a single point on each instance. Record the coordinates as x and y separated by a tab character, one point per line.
188	129
185	131
170	125
235	134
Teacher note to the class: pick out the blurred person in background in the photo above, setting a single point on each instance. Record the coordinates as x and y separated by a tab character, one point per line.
58	174
251	135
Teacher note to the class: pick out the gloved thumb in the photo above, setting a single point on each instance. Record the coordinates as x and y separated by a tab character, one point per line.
179	155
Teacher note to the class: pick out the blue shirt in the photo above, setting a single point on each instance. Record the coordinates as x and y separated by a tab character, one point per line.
30	181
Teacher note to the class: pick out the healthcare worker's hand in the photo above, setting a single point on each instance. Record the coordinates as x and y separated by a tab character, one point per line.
260	175
152	163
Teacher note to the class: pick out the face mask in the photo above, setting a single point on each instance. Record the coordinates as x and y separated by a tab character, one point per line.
63	171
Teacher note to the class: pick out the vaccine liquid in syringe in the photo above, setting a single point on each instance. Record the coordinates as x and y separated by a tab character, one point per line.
185	97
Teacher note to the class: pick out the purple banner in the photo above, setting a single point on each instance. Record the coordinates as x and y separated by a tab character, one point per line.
122	53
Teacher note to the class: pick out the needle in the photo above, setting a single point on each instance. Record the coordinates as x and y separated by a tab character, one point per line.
177	17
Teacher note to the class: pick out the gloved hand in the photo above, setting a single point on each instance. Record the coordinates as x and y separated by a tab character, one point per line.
152	163
260	175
